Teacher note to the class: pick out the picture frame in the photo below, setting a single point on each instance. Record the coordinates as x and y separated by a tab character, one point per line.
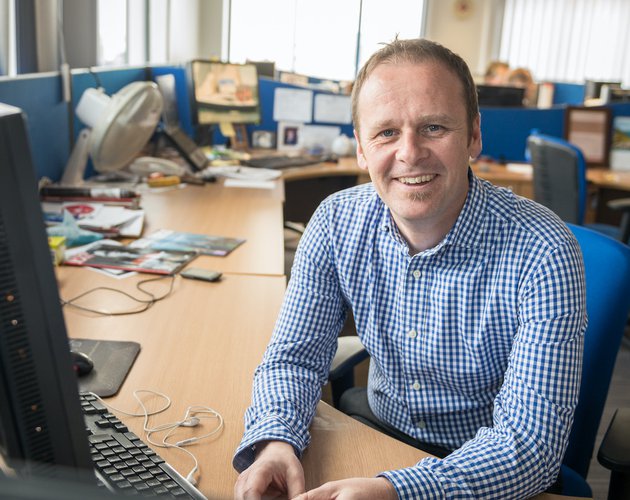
263	139
290	136
589	128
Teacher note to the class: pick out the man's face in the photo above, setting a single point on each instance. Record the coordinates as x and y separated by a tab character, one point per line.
414	141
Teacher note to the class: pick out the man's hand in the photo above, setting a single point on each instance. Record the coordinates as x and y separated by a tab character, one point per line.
359	488
276	473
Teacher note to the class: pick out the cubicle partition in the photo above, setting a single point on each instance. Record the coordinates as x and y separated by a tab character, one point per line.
52	126
505	130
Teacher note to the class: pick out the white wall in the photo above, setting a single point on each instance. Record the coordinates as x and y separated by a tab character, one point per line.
475	37
210	29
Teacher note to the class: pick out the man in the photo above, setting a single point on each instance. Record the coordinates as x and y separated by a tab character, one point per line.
469	299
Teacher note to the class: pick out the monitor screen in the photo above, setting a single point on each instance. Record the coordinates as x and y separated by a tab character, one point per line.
224	92
41	423
494	95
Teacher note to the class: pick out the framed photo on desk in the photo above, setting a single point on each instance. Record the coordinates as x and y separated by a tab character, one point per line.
589	129
290	136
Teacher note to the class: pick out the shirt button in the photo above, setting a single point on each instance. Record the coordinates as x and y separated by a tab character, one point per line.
412	334
421	424
417	274
416	386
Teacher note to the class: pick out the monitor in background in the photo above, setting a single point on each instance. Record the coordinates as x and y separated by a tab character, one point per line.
224	93
593	88
293	78
499	96
617	95
171	128
264	68
41	423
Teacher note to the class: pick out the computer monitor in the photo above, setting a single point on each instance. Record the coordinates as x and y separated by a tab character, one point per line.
41	422
264	68
618	95
593	88
499	96
171	129
224	93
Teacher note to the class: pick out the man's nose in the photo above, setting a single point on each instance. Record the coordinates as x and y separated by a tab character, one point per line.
412	148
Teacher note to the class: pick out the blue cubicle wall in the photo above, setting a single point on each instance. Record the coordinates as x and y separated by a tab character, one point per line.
40	97
504	130
49	116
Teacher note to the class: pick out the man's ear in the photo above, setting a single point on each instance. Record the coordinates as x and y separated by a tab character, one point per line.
475	145
360	158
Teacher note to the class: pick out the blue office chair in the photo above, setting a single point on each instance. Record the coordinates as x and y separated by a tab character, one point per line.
607	267
559	179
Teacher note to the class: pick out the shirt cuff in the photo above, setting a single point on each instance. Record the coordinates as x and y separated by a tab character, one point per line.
415	482
265	430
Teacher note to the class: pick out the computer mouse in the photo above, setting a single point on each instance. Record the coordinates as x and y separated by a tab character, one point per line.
81	363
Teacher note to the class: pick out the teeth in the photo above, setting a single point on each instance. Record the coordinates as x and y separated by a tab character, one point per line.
416	180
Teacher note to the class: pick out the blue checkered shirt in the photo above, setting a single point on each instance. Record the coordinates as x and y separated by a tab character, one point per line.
475	344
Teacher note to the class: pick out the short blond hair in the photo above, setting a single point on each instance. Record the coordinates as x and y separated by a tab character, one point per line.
419	50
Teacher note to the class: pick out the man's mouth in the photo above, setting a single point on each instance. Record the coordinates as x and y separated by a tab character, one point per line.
421	179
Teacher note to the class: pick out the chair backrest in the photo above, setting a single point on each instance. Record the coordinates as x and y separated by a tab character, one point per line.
607	268
559	176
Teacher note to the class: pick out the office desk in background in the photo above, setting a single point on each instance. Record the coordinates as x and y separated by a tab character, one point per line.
202	344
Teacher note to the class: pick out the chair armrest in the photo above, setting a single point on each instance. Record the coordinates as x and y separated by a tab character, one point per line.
614	452
350	352
294	226
619	204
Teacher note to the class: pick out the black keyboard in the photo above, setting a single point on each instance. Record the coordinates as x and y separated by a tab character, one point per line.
285	161
123	463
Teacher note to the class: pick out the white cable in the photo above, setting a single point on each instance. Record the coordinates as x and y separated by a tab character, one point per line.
192	418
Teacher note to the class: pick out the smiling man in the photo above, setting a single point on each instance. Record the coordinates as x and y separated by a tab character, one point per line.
469	299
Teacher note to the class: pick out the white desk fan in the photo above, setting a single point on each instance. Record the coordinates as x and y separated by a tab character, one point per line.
118	127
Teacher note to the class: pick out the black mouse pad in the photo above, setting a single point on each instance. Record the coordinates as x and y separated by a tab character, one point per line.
112	361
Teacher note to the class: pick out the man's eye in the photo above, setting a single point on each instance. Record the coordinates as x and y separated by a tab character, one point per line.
434	128
387	133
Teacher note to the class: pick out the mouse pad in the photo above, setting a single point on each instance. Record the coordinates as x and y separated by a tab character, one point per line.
112	361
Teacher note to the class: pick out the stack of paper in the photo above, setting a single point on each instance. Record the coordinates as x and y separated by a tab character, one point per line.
110	220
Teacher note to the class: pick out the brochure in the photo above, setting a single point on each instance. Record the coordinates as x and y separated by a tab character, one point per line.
165	239
142	260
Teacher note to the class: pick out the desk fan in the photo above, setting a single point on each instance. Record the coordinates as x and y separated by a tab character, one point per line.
118	127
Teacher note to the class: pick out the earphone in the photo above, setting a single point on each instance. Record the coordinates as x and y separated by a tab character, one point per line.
192	418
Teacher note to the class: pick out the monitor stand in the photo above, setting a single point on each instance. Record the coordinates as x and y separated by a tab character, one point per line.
112	361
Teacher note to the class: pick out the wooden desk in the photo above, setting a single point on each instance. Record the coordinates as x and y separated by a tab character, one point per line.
199	346
253	214
345	166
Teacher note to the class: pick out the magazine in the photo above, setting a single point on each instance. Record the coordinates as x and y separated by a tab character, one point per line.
165	239
142	260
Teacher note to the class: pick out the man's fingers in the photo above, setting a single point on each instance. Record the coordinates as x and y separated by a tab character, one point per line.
295	481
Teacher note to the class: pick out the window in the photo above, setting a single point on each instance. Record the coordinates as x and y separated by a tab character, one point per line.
112	32
568	40
318	38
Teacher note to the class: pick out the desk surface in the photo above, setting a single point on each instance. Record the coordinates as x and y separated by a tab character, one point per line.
253	214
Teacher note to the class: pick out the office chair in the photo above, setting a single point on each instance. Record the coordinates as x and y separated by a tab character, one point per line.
607	268
559	178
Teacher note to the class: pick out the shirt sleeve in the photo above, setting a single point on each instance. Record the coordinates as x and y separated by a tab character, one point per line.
520	455
287	384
